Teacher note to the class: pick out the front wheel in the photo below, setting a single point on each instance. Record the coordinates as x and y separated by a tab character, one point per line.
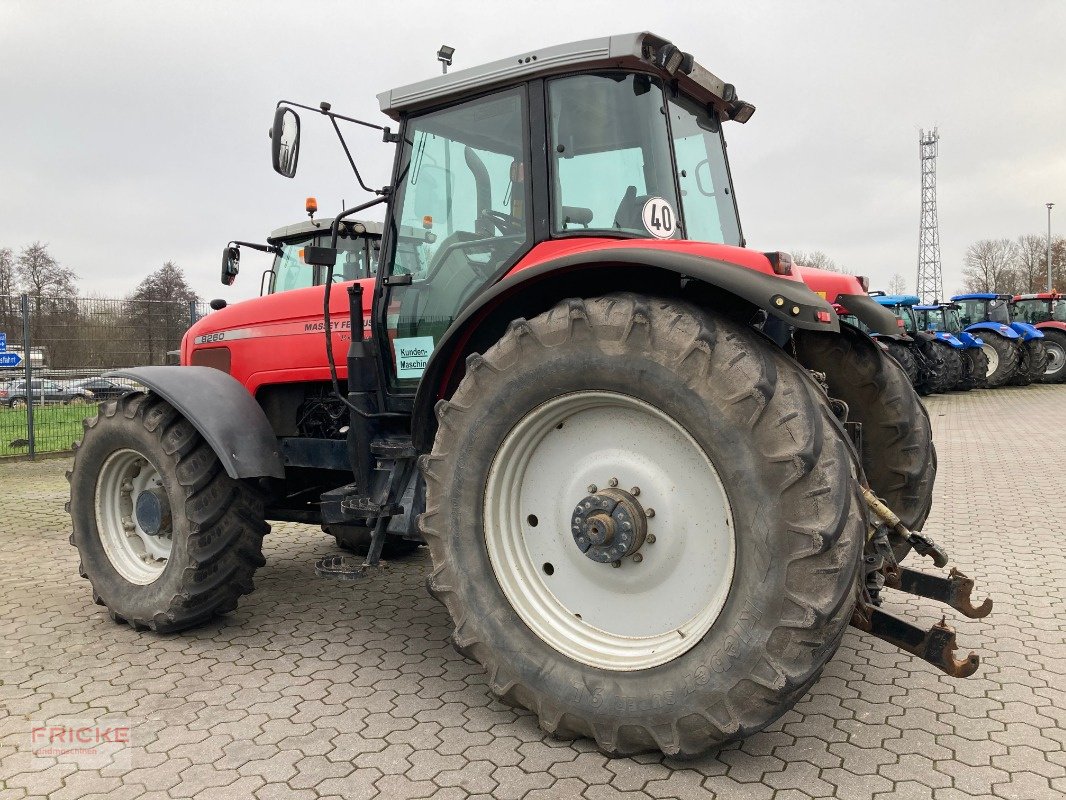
644	523
978	367
166	538
1055	344
17	403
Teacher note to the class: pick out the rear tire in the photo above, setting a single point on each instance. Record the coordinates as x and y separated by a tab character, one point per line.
1055	345
770	447
952	374
978	367
210	538
905	358
1002	354
898	456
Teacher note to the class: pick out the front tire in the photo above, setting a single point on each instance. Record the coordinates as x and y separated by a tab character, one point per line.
166	538
905	358
978	367
731	612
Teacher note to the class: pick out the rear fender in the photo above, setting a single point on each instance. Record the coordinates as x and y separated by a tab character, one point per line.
720	284
224	413
946	338
969	340
1026	331
994	328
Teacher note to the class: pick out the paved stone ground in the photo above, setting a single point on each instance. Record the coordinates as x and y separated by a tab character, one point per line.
315	689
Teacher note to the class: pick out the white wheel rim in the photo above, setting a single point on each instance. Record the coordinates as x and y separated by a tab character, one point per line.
640	614
137	556
993	358
1055	358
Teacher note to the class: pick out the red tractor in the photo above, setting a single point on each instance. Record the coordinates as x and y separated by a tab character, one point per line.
656	477
1047	311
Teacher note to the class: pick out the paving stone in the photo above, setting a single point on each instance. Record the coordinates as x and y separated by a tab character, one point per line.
318	689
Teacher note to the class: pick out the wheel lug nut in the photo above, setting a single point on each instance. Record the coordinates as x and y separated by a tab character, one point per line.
127	524
616	564
635	491
613	482
127	486
650	539
649	513
593	488
637	558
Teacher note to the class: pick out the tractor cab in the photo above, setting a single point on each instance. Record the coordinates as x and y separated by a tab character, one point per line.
944	321
982	309
902	306
1038	308
357	249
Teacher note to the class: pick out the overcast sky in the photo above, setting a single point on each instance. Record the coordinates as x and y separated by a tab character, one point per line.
135	133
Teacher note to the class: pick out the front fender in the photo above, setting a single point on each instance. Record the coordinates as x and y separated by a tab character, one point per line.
946	338
1006	331
872	314
224	413
1027	331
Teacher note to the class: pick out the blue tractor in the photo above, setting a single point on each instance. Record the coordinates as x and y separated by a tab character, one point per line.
943	321
931	363
1015	350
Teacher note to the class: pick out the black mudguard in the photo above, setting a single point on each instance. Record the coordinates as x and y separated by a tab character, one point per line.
872	314
536	289
221	409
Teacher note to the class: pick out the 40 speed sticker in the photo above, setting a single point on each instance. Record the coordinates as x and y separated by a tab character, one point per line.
659	218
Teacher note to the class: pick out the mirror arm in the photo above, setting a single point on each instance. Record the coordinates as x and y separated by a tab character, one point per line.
262	248
351	160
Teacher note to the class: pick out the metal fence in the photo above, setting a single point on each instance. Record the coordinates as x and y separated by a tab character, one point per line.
63	347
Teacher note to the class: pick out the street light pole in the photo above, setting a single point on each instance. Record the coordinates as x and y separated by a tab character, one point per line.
1049	205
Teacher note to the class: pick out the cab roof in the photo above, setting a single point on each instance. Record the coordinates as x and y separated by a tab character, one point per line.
981	296
320	225
643	51
897	299
935	306
1038	296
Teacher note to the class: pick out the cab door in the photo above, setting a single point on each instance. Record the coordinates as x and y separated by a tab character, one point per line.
460	218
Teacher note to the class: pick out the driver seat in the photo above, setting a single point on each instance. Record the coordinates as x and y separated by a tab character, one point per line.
630	210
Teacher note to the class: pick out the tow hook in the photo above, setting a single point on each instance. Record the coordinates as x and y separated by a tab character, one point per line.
936	645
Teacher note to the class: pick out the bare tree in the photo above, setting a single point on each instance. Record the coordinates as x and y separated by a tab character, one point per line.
41	275
816	259
989	266
160	309
897	284
1030	262
9	303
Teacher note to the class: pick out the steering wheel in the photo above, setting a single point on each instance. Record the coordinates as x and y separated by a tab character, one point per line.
507	224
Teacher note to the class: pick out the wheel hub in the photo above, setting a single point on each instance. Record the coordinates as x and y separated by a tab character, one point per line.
152	511
609	525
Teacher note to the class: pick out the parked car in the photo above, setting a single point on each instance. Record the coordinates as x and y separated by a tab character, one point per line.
14	394
103	388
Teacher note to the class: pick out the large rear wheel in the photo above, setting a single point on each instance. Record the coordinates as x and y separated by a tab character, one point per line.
1003	355
978	367
166	538
905	358
898	456
644	522
1055	344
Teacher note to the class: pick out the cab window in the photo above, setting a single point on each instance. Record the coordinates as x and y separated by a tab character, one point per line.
611	156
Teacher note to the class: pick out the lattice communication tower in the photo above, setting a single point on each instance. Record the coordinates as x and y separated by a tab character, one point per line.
930	283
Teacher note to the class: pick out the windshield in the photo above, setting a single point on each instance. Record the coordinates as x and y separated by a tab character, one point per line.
906	313
291	272
611	156
981	310
1037	310
954	322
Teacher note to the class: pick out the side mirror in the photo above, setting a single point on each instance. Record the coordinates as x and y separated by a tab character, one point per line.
231	264
285	141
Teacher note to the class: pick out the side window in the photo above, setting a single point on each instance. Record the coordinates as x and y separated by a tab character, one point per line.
706	194
290	271
611	155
